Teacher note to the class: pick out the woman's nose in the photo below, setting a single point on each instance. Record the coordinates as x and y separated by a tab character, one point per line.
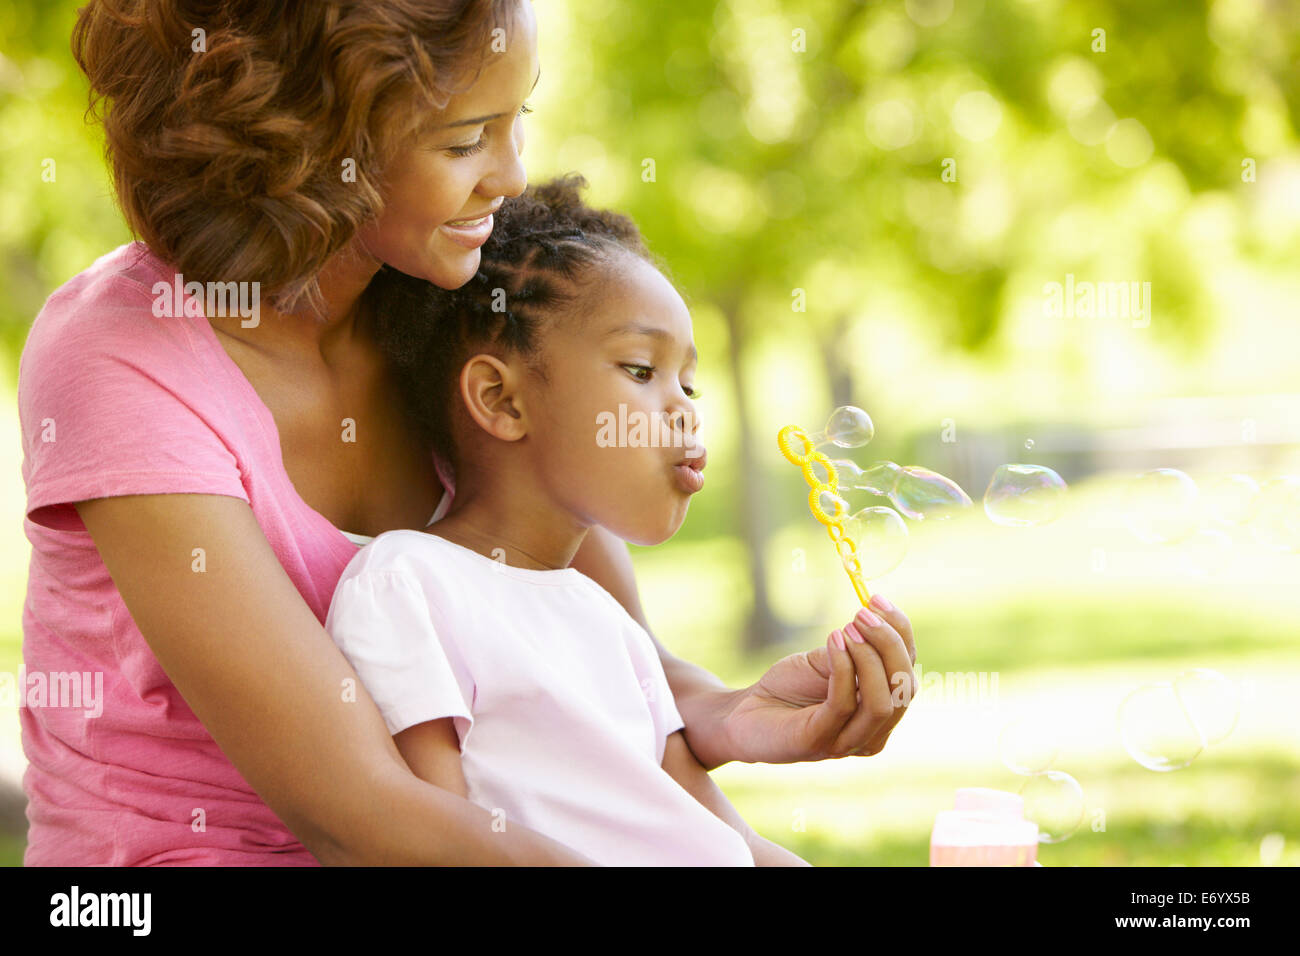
507	177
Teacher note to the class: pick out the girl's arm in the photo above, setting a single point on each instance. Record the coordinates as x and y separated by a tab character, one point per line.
432	751
267	681
808	706
701	698
681	765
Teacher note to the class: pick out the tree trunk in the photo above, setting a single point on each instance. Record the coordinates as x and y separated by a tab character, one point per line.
762	627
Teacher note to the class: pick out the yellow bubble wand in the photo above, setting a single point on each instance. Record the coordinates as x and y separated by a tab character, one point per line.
845	546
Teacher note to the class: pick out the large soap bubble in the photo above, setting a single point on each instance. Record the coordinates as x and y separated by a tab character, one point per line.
1166	725
922	494
881	539
919	493
1053	800
1024	495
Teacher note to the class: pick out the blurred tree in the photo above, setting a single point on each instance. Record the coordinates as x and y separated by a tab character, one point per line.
942	151
936	161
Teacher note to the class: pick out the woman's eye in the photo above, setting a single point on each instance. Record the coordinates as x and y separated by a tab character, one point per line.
469	150
482	141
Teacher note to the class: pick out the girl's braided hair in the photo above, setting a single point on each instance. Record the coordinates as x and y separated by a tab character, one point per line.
536	263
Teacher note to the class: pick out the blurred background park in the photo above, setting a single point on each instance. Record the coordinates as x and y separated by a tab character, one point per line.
867	203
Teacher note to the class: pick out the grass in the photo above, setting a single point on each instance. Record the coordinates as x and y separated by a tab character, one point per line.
1070	617
11	850
1067	634
879	811
1214	813
1005	630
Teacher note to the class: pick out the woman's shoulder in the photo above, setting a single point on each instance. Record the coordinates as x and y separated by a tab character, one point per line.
113	297
117	397
106	321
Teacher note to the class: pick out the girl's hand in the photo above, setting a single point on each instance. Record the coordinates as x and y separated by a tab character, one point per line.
830	702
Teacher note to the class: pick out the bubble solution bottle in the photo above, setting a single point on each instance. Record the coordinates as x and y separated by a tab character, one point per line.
985	828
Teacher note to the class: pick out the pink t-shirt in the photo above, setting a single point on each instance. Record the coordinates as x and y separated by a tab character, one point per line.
114	400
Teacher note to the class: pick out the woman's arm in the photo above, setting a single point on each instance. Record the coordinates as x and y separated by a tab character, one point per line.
680	764
701	698
262	674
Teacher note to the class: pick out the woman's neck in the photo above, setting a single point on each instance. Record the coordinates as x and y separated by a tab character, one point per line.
332	331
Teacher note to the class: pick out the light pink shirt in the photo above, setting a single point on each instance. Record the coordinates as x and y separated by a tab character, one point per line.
557	695
116	401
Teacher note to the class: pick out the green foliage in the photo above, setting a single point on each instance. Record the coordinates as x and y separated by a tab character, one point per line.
814	160
57	218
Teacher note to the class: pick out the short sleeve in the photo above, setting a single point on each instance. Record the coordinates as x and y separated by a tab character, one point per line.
380	621
112	401
649	670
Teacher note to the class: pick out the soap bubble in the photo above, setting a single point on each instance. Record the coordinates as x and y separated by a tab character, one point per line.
917	492
1231	500
1156	729
921	494
1029	444
1053	800
848	427
1161	507
1027	746
1024	495
1276	523
881	537
878	478
1211	701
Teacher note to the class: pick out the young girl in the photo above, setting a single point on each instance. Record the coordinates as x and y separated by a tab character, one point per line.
505	675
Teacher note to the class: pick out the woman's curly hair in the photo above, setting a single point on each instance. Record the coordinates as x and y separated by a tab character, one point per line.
229	123
541	260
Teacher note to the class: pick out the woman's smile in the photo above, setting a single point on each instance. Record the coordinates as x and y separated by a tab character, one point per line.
470	233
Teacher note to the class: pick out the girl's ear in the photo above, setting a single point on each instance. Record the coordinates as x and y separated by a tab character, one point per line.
489	390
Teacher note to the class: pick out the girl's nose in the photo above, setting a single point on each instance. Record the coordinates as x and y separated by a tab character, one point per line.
685	421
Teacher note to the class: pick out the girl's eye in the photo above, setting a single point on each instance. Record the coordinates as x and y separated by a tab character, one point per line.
691	392
482	141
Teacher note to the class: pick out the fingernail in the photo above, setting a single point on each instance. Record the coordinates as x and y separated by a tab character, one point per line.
880	603
853	634
838	638
869	619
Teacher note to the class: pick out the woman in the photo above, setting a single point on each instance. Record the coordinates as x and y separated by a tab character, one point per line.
192	467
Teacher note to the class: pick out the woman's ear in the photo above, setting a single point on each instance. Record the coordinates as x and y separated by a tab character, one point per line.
489	389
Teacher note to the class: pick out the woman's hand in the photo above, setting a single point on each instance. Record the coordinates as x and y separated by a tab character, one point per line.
829	702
